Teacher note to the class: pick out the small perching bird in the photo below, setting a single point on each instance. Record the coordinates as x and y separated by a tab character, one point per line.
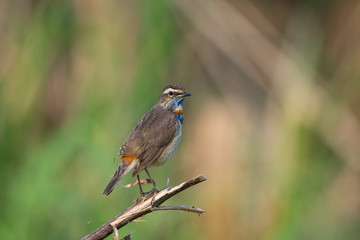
154	138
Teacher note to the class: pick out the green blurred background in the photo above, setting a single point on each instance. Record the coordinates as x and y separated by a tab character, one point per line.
274	120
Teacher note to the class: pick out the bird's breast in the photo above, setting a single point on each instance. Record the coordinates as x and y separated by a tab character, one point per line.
170	148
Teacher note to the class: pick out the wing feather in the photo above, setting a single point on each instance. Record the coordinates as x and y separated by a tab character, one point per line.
150	136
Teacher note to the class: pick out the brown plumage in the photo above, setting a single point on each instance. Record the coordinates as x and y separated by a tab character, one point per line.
154	138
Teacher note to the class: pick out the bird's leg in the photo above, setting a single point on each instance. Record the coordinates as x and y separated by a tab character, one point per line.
152	181
141	191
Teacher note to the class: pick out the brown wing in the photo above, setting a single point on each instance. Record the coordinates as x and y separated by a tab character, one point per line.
151	134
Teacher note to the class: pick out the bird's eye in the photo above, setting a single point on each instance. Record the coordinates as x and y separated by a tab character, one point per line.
171	93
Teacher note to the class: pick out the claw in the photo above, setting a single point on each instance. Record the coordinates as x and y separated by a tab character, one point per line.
155	192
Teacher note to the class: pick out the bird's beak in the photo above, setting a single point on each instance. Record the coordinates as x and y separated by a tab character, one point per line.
186	94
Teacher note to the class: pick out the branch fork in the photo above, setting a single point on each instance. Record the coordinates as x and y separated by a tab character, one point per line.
144	206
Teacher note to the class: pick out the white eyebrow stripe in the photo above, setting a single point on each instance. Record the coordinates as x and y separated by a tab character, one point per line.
171	89
168	90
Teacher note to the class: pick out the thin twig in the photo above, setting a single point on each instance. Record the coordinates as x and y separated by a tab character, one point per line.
181	208
116	234
142	181
144	206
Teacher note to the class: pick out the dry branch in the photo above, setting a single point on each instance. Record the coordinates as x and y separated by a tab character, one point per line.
144	206
142	181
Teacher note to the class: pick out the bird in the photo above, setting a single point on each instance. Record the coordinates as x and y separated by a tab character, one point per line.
154	138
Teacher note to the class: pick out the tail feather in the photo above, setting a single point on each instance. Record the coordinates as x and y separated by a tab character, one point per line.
121	171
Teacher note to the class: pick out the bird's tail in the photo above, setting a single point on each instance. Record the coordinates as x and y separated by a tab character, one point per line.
124	167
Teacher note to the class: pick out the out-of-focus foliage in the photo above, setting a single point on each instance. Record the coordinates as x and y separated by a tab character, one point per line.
274	120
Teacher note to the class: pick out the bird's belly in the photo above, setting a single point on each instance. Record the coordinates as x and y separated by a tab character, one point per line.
170	149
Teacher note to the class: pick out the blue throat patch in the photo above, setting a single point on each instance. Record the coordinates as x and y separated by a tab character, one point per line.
174	104
181	119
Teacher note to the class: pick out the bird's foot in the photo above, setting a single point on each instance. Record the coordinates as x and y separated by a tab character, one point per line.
146	195
154	192
142	197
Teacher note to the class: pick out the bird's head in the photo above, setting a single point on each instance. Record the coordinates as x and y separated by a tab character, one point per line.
172	98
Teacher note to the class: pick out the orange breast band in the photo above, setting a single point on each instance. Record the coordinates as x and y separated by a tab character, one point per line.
179	111
128	159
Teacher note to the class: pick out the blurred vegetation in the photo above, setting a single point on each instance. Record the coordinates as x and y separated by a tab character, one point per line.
273	121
